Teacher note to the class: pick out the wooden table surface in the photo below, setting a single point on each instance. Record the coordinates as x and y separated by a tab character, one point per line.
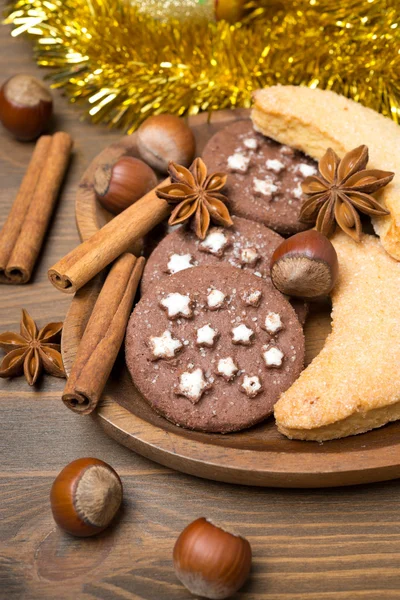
331	544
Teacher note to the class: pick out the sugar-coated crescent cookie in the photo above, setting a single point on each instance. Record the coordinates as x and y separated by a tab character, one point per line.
353	385
312	120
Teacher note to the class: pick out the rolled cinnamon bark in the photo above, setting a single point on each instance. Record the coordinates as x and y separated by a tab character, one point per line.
12	227
88	259
103	335
33	229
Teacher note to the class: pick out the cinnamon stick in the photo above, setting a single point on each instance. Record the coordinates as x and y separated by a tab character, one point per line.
116	237
103	335
23	233
12	227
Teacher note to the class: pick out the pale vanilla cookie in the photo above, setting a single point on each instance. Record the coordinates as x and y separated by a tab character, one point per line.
313	120
353	385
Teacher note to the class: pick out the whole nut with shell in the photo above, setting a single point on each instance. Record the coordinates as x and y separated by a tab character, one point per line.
85	497
26	106
305	265
210	561
165	138
119	185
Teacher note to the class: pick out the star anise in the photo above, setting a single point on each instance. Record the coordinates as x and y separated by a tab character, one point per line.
343	188
197	195
31	351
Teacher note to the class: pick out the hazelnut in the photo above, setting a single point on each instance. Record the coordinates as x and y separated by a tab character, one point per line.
210	561
122	184
165	138
305	265
85	497
26	107
229	10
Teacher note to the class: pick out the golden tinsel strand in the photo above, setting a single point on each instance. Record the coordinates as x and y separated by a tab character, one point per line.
124	64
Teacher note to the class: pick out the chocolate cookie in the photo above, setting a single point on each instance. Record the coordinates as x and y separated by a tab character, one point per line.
246	245
213	348
264	177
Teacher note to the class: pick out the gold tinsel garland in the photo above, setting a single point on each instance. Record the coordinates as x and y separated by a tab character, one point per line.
124	64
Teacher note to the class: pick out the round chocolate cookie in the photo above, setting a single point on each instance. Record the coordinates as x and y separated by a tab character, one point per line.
213	348
264	177
246	245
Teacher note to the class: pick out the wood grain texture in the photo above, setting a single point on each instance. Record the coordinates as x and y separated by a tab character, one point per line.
337	544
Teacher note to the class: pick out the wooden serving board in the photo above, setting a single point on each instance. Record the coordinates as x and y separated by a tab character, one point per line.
257	456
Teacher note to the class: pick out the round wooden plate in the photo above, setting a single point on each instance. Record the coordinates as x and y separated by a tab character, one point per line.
258	456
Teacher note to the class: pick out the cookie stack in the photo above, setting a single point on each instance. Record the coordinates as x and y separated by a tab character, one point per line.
212	344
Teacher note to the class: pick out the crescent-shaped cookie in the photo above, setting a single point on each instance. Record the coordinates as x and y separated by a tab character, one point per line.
353	385
313	120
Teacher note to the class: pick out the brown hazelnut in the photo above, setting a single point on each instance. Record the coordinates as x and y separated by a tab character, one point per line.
85	497
229	10
165	138
122	184
305	265
210	561
26	106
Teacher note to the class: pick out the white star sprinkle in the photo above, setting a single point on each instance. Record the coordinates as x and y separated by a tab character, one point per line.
242	335
177	305
238	162
251	386
165	346
215	243
192	385
252	297
215	299
272	356
179	262
206	336
249	256
227	368
273	323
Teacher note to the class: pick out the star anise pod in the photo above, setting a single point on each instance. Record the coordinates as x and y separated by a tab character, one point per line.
31	351
196	195
342	189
